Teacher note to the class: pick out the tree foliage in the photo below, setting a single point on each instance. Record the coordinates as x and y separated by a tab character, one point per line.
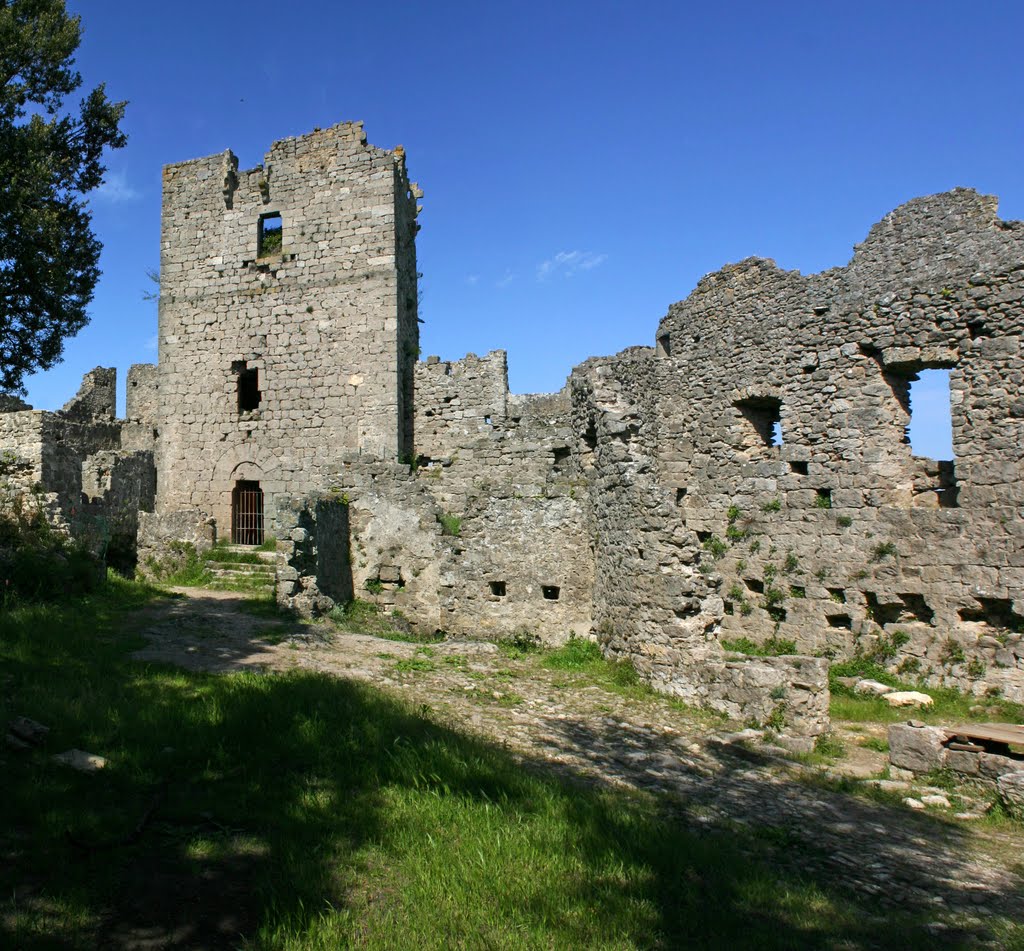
50	158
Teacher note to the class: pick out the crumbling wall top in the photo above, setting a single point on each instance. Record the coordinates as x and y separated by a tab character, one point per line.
96	397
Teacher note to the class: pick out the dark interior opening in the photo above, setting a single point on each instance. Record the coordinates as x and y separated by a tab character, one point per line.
497	588
271	235
550	591
798	467
665	345
249	395
247	513
840	620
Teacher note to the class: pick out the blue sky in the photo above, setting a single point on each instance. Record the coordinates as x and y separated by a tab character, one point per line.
584	163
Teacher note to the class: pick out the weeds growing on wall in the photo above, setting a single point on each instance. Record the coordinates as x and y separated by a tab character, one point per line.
451	525
180	567
773	647
37	561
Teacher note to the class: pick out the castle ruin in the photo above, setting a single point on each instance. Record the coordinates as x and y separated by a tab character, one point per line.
748	477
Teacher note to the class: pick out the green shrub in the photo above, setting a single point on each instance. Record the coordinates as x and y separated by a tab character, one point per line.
772	506
773	647
883	550
715	547
952	652
519	643
451	525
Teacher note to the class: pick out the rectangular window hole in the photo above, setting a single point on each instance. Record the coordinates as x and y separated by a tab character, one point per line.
497	588
823	498
665	345
837	594
270	235
841	621
248	387
729	608
930	430
487	421
550	592
680	495
755	585
798	468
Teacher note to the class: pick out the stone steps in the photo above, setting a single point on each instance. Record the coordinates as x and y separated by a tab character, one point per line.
237	568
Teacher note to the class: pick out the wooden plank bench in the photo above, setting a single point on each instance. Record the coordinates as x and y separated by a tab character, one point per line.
986	737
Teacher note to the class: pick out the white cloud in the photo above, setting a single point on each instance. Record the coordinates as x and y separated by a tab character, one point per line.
506	280
115	188
568	263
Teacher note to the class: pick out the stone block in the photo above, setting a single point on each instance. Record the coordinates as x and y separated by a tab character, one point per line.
917	748
992	765
963	762
1011	792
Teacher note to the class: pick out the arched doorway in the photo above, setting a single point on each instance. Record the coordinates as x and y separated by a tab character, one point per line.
247	513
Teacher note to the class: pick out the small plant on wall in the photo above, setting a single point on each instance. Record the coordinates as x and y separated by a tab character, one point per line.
450	524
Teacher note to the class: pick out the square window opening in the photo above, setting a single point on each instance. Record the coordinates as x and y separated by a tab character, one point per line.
763	415
497	588
550	592
798	468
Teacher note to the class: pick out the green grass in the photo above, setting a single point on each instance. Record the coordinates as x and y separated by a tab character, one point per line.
585	657
223	556
302	811
950	706
362	617
773	647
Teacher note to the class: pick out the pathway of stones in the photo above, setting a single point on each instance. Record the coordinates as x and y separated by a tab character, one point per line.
959	873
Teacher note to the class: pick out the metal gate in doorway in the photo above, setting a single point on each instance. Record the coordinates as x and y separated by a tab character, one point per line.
247	513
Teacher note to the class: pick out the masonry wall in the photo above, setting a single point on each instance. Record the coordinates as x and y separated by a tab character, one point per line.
327	320
500	467
840	539
74	462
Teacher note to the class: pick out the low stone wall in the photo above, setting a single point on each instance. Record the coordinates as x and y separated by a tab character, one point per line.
163	539
924	749
788	695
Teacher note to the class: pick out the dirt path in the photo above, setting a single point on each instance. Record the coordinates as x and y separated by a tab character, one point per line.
555	719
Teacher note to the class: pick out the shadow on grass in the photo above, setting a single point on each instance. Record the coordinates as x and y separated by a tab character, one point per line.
304	811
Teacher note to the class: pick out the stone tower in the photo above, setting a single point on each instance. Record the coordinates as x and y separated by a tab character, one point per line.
288	322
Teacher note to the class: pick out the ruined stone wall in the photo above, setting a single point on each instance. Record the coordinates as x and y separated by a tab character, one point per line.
73	463
839	539
21	444
323	324
96	397
500	469
395	554
314	568
655	601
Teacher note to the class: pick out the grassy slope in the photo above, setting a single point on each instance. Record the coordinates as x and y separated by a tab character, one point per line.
312	812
